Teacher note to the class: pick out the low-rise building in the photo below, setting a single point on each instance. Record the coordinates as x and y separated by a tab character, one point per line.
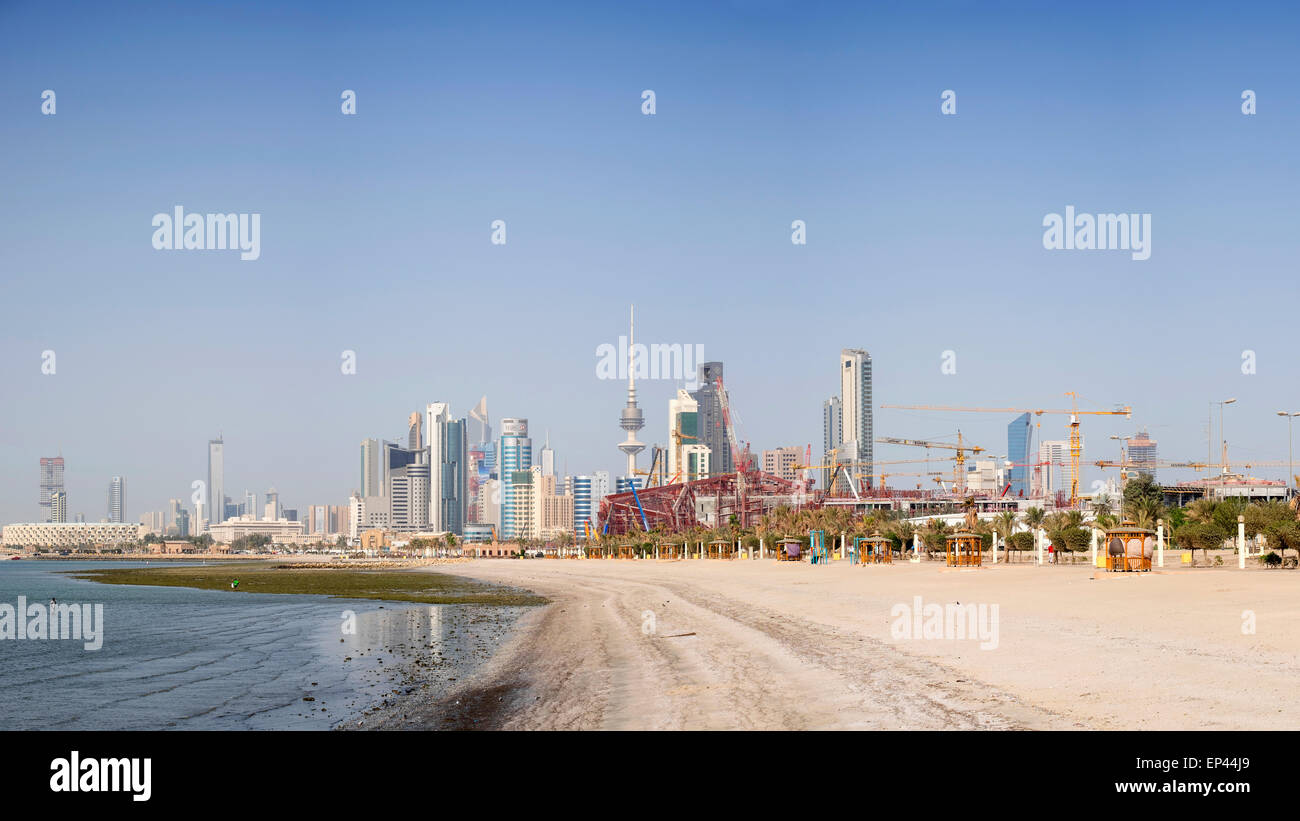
71	534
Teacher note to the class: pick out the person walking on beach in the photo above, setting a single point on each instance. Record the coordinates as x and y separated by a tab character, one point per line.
234	584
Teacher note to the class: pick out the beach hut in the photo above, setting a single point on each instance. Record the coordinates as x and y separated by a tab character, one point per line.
670	551
596	550
1129	548
873	549
789	550
722	549
628	551
965	549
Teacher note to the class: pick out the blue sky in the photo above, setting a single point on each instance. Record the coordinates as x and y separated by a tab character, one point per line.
924	231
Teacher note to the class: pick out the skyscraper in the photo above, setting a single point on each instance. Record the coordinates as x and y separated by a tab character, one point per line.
448	469
117	499
250	503
1018	435
631	419
59	506
832	435
546	457
712	425
856	427
414	439
274	510
372	468
514	459
51	481
216	507
684	439
584	513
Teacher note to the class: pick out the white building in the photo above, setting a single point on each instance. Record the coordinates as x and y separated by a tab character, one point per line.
248	525
71	534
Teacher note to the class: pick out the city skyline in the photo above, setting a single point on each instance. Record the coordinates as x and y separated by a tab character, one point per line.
924	232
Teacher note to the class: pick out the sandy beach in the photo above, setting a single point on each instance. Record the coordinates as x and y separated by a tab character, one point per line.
766	645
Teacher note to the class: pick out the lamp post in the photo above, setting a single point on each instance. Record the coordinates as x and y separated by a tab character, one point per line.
1222	439
1290	462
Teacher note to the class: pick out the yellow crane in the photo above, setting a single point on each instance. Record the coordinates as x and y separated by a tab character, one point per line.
1076	442
959	474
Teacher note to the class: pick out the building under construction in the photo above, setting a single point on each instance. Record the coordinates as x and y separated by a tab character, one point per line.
703	503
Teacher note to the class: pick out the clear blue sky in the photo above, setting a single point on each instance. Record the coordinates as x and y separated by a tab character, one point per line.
924	231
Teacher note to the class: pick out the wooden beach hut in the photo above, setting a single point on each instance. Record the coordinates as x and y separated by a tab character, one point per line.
596	550
722	549
627	551
789	550
1129	548
874	549
670	551
965	549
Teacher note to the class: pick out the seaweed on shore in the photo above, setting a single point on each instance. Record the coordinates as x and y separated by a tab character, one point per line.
419	587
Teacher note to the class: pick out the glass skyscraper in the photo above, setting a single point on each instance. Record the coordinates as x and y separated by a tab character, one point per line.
1018	434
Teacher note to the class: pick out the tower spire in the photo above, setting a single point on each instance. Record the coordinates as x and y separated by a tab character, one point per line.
631	420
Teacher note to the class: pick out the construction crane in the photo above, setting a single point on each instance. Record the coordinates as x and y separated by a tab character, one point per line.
656	470
836	468
1076	442
731	430
959	473
883	477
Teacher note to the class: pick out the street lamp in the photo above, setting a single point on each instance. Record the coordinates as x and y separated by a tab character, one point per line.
1223	439
1290	462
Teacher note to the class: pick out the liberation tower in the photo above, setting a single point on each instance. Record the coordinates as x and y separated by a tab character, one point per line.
631	419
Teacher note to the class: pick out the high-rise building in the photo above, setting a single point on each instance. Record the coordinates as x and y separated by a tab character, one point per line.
514	457
372	468
1142	453
781	462
216	507
554	510
51	481
250	503
117	500
546	457
832	435
154	522
59	506
1019	433
712	425
584	513
448	469
685	443
857	427
1056	472
178	519
414	439
631	419
273	509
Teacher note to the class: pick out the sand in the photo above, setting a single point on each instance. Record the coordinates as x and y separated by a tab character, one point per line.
794	646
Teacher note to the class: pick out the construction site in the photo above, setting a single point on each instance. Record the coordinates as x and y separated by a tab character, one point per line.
682	490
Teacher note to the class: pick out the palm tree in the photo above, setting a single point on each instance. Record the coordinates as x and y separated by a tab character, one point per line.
1004	524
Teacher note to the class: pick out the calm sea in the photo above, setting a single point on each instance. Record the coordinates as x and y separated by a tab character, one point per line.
206	659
